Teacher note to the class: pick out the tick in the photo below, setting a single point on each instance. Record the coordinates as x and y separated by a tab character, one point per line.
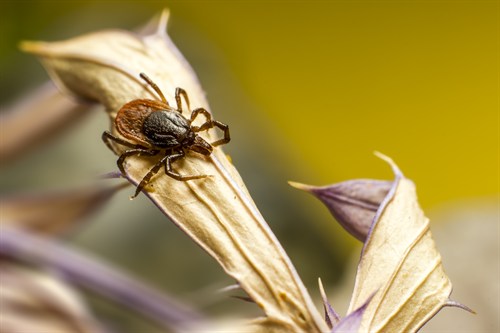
155	127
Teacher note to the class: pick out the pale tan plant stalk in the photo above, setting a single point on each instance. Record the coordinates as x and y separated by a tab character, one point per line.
217	212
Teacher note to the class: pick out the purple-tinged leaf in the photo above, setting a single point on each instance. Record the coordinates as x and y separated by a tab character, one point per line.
353	203
352	322
54	212
331	316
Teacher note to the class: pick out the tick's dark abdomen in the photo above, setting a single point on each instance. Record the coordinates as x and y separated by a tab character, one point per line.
166	129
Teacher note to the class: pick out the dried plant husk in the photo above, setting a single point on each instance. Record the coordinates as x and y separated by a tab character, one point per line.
32	301
400	265
217	212
400	281
87	272
353	203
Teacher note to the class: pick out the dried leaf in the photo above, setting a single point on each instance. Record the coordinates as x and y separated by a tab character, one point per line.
401	265
36	118
217	212
54	212
34	302
353	203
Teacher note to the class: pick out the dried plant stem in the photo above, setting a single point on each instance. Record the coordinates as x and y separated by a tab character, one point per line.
98	277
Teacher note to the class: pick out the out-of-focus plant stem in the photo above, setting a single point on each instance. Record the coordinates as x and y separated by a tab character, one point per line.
98	277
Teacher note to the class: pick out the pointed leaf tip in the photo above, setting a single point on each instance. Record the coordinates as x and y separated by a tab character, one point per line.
300	186
157	25
163	22
456	304
28	46
33	47
331	316
395	168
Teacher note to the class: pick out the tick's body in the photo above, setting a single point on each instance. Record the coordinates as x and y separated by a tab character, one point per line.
168	129
155	127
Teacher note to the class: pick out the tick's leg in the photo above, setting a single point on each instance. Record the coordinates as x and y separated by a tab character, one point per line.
209	124
206	124
168	167
225	129
107	137
178	93
154	86
222	126
132	152
153	171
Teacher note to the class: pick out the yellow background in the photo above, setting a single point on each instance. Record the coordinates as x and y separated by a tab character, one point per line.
310	90
330	81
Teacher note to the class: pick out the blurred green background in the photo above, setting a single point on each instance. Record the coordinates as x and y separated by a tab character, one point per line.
310	90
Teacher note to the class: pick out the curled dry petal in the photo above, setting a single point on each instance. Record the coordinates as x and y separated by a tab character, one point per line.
35	302
353	203
401	265
216	212
37	117
54	212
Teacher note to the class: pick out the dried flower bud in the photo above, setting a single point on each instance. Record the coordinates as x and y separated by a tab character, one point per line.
353	203
400	282
400	265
